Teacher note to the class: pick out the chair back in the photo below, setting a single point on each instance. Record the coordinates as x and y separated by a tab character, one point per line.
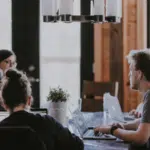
20	138
92	96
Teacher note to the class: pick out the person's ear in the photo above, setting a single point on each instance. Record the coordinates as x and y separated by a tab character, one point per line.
29	101
140	75
4	106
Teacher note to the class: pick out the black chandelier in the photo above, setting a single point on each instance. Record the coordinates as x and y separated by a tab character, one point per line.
101	11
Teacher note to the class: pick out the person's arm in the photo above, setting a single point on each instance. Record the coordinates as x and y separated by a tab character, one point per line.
142	133
132	125
64	138
140	136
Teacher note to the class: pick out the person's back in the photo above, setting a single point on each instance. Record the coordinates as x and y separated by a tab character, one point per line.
16	93
51	132
20	138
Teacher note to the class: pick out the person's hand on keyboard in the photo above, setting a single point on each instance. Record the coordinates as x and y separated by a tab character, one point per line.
98	133
103	129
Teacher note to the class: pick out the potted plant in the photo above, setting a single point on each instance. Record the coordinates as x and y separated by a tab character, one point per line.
57	98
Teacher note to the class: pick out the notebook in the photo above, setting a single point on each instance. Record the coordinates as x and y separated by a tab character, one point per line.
85	131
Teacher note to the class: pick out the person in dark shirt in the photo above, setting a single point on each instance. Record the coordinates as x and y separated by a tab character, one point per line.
17	98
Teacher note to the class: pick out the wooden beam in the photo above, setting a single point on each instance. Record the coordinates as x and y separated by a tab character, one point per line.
125	52
134	37
98	53
106	51
141	24
102	38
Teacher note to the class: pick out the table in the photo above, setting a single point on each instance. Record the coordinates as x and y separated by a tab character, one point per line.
95	119
104	145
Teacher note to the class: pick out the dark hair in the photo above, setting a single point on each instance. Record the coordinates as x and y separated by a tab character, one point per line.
15	88
142	61
4	54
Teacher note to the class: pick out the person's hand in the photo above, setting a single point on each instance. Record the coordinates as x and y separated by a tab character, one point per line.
121	126
103	129
135	113
132	112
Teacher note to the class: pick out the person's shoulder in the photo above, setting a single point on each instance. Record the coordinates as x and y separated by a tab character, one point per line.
147	95
38	116
146	101
45	118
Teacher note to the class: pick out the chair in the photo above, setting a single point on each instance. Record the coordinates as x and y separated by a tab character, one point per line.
20	138
92	96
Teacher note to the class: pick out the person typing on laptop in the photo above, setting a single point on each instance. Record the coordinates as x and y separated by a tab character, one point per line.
137	131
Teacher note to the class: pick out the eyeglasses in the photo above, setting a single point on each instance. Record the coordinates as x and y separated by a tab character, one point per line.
14	64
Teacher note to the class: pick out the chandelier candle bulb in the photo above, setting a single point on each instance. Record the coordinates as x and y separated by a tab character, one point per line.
92	7
99	7
66	7
113	10
101	11
49	10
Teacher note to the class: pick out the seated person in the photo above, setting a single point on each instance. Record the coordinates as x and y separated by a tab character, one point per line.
138	111
7	61
16	96
137	131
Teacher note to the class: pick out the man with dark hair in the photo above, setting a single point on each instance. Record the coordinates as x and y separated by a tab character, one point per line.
137	131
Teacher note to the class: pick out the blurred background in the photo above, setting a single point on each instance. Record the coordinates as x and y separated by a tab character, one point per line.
66	54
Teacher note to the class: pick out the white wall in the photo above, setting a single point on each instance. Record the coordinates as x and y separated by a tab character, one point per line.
60	57
5	24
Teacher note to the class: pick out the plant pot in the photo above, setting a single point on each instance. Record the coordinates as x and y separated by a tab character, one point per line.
58	111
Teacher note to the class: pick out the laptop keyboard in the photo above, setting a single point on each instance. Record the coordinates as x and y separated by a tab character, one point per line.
100	136
91	133
127	117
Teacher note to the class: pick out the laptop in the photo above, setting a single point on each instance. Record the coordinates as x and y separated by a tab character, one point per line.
41	111
3	115
115	111
86	132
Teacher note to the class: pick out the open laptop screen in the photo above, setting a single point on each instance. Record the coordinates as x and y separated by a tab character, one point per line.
41	111
115	110
79	121
3	115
